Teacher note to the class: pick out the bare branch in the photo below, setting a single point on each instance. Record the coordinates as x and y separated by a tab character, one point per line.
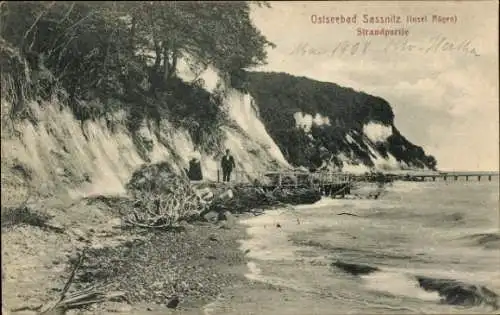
67	13
38	19
72	276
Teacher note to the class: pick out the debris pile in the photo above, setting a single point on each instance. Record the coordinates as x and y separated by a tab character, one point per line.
161	197
249	198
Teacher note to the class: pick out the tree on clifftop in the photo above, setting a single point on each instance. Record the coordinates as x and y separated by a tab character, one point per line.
129	51
94	38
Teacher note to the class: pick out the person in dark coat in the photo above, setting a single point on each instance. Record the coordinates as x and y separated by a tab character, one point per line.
227	165
194	172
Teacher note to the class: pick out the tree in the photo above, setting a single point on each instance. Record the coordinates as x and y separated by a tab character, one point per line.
126	53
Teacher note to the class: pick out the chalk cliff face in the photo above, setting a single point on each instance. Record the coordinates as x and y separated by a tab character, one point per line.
281	123
319	124
53	153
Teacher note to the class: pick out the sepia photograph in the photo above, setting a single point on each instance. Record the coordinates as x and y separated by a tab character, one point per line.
250	157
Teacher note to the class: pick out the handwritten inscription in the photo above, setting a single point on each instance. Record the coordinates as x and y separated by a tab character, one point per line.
438	44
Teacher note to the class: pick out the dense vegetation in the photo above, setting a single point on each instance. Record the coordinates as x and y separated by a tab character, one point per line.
99	57
280	96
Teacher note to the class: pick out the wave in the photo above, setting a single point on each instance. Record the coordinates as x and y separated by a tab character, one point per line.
486	240
455	292
359	253
355	269
450	291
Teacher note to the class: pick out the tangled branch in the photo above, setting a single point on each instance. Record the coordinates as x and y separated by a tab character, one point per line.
161	198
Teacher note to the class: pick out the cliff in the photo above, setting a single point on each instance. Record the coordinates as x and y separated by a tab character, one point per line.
283	121
320	124
85	101
52	152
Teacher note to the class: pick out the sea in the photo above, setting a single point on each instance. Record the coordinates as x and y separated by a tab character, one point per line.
421	247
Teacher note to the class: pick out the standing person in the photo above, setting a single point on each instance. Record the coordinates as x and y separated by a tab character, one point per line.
194	172
227	165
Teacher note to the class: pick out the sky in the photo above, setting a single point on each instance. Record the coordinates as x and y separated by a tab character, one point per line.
444	99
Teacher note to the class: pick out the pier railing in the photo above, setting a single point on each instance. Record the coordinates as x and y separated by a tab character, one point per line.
288	178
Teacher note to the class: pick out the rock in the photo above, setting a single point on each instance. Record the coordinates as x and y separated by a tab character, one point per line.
211	216
228	194
173	302
205	193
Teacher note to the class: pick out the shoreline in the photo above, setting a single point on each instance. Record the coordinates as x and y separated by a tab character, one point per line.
203	263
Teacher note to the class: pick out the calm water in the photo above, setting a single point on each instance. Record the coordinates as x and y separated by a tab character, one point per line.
444	234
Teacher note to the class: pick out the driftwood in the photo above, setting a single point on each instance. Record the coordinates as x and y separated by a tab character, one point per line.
161	198
77	299
347	213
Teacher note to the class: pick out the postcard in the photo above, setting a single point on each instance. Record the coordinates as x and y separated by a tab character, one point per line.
281	157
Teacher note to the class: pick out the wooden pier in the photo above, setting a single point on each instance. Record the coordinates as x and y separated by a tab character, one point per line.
329	183
452	176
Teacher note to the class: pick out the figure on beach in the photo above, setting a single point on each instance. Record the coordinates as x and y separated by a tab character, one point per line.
194	171
227	165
